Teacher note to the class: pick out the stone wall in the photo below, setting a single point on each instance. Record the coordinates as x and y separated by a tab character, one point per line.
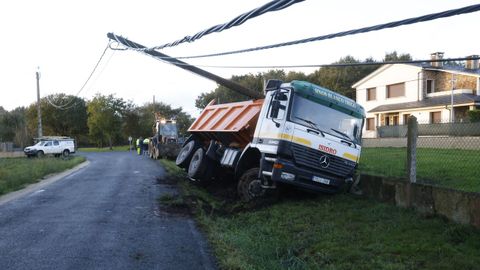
443	81
458	206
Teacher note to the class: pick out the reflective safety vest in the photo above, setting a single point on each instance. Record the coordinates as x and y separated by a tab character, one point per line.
138	142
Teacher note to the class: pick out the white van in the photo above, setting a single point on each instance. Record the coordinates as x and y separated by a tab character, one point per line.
51	146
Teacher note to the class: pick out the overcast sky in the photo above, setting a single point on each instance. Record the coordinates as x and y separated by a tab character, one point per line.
66	38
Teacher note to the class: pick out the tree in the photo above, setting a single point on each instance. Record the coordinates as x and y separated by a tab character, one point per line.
70	120
341	79
105	115
13	127
252	81
394	56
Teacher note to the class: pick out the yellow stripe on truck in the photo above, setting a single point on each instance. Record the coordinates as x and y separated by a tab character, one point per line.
295	139
285	136
350	156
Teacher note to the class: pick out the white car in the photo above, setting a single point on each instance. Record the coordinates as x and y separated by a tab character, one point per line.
51	145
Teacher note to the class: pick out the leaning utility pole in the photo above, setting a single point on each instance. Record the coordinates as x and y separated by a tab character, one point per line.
39	112
201	72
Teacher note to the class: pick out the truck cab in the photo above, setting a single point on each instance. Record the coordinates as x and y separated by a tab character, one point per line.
308	136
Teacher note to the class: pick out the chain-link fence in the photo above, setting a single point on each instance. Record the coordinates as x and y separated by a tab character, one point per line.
447	154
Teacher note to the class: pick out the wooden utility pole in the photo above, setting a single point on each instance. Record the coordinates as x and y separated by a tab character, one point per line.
39	111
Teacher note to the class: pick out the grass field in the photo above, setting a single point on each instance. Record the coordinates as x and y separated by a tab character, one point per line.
104	149
16	173
445	167
304	231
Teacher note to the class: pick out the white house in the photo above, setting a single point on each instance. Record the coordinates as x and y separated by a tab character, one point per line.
395	91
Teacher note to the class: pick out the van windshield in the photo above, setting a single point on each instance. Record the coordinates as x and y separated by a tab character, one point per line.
311	114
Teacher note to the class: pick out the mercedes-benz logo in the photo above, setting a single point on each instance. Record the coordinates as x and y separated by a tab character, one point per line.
324	161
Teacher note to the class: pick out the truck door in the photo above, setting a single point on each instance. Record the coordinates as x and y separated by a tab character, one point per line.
273	119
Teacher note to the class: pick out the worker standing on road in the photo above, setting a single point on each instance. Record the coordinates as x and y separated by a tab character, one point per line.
145	146
137	145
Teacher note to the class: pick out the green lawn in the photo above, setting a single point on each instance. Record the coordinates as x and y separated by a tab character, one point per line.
104	149
452	168
16	173
326	232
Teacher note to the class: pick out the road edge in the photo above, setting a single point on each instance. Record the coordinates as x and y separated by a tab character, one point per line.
43	183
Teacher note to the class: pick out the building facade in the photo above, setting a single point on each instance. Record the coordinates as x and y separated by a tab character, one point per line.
393	92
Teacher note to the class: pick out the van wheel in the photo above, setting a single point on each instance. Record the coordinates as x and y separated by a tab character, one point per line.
249	186
40	154
198	164
186	154
66	153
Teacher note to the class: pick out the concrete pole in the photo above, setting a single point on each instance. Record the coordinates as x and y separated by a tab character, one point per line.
39	111
412	135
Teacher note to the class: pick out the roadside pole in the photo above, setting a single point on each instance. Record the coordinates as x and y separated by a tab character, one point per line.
412	135
130	143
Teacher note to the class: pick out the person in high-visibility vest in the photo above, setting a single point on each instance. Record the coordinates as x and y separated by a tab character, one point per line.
145	146
139	146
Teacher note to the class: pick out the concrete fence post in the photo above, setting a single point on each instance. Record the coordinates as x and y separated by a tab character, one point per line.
412	135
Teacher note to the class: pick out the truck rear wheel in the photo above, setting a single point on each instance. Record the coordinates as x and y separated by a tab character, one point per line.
66	153
185	155
249	186
198	164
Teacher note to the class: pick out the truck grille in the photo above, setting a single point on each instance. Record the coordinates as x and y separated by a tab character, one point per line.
309	157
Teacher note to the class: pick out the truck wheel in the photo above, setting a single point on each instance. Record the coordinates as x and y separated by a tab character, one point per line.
197	166
185	155
40	154
66	153
249	186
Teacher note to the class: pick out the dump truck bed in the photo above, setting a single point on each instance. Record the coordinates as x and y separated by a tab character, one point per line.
229	123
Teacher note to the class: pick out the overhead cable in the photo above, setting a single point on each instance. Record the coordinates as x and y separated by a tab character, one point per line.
64	106
344	64
424	18
275	5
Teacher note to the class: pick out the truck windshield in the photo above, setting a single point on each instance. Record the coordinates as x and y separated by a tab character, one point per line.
308	113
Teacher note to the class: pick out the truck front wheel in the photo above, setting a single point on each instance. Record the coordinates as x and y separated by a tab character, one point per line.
249	186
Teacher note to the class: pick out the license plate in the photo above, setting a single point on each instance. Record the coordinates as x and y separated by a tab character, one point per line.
321	180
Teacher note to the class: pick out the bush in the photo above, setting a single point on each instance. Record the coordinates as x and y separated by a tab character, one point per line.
474	115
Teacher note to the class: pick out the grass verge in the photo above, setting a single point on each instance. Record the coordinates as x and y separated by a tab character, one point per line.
327	232
16	173
451	168
105	149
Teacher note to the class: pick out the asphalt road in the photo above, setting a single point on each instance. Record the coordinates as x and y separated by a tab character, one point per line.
104	216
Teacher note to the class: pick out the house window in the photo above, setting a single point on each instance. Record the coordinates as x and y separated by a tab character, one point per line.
396	90
371	93
371	123
405	118
435	117
429	86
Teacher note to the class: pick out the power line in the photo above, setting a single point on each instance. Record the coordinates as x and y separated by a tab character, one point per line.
64	106
373	63
424	18
275	5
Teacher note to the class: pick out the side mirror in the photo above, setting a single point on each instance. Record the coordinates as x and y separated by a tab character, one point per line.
275	109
